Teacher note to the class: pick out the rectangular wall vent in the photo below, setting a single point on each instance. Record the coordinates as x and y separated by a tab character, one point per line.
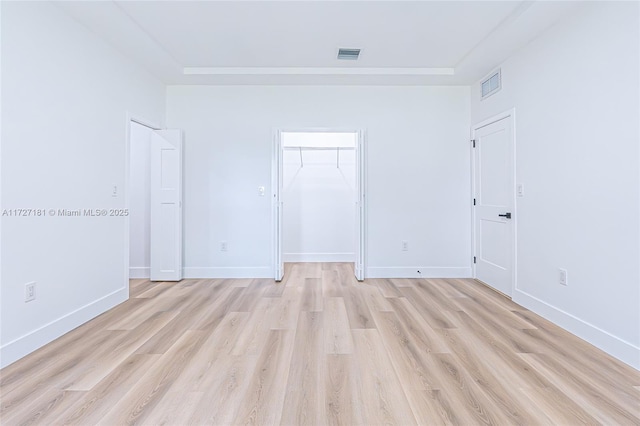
491	85
349	54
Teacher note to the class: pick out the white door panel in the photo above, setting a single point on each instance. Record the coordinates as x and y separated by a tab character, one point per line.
360	208
166	205
494	196
277	164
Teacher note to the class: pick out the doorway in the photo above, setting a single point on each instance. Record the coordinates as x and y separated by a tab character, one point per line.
318	198
494	212
139	200
153	181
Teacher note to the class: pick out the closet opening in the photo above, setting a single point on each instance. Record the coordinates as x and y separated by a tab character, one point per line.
319	198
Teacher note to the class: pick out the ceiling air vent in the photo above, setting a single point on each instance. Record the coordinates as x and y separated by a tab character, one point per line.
491	84
348	54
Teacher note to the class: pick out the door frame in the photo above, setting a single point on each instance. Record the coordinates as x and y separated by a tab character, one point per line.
276	183
127	182
510	113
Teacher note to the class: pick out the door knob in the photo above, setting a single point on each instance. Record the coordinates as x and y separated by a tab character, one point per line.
507	215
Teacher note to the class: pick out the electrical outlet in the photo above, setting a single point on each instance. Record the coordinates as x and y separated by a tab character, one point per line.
223	246
405	246
562	276
30	291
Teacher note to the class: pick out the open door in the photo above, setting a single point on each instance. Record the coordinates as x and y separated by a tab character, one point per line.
166	205
277	206
360	208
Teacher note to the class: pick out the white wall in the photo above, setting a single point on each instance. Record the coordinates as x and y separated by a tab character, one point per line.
576	94
418	180
139	201
65	97
319	205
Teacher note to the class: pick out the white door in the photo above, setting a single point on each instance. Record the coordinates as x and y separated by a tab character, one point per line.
166	205
494	204
276	184
360	208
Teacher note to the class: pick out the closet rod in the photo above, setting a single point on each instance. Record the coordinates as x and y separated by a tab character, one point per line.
317	148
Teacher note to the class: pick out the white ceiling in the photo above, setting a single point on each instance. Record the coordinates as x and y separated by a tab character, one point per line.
296	42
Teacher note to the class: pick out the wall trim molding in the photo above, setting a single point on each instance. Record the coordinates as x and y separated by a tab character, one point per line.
425	272
227	272
319	257
24	345
136	272
613	345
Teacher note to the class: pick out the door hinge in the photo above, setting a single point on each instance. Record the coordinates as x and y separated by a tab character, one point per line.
474	201
474	259
473	141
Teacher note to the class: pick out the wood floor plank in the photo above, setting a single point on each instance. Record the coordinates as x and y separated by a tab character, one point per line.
250	340
285	316
454	380
144	396
357	307
423	336
217	345
304	395
509	368
318	348
605	406
312	295
246	300
387	288
49	403
431	407
436	318
46	362
264	398
493	312
342	404
187	318
19	385
337	335
138	286
296	276
155	289
562	410
178	407
491	376
431	290
383	398
330	284
593	362
98	401
374	298
483	324
409	362
108	357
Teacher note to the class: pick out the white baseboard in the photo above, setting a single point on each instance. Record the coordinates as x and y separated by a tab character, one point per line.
614	346
139	272
412	272
228	272
24	345
318	257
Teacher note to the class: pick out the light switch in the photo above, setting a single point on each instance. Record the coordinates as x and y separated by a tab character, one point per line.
520	190
261	191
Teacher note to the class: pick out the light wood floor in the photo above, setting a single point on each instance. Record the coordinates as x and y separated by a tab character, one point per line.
319	348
